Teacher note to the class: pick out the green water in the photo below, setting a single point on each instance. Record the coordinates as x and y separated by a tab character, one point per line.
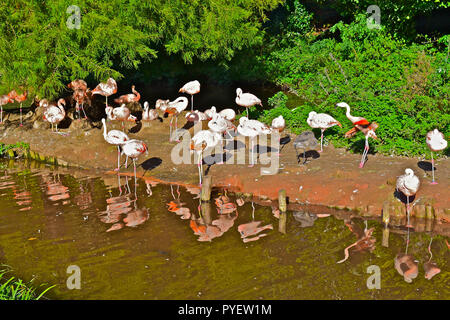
53	218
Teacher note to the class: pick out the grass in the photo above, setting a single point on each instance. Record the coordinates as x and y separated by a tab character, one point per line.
12	288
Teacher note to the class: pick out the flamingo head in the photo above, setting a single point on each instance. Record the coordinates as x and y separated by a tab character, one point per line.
238	92
342	105
409	172
146	105
372	134
243	120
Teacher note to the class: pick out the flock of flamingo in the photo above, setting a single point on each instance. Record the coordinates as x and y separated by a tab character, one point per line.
220	124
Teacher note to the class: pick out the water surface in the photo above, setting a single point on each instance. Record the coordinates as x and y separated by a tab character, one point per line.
144	241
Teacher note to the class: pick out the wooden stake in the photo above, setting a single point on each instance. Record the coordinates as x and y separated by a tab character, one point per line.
206	188
282	205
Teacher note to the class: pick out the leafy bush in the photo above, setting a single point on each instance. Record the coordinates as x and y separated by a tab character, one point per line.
403	87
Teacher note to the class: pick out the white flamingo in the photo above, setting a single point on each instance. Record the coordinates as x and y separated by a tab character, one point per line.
54	114
133	149
220	125
106	89
174	109
196	116
355	120
149	114
228	114
121	113
368	133
408	184
192	87
322	121
246	100
436	142
201	141
251	129
115	137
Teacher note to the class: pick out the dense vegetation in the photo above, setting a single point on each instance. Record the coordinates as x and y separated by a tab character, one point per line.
391	75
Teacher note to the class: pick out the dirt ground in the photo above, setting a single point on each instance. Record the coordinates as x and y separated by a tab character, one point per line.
331	178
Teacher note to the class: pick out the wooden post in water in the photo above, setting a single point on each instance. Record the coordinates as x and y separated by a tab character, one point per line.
206	188
386	219
282	205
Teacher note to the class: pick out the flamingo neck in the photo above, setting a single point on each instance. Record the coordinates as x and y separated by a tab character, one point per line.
104	130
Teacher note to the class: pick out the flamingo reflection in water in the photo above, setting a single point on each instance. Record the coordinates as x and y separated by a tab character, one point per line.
364	242
251	231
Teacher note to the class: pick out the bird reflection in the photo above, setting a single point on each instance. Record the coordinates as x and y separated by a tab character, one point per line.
364	242
406	265
430	267
121	205
55	189
176	205
251	231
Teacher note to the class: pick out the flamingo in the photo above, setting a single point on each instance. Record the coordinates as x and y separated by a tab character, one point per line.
322	121
115	137
128	98
78	85
368	133
278	124
106	89
133	149
4	99
219	124
162	104
210	112
436	142
228	114
408	184
355	120
121	113
149	114
174	109
21	98
192	87
251	129
246	100
202	140
80	96
54	114
196	116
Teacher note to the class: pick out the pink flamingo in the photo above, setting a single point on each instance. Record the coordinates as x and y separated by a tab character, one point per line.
246	100
133	149
408	184
192	87
322	121
252	129
128	98
54	114
21	98
4	99
106	89
436	142
121	113
115	137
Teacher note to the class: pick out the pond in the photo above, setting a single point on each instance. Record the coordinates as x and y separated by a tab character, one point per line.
138	240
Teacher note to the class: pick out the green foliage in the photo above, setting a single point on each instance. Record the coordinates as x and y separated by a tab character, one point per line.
40	53
16	289
19	145
402	87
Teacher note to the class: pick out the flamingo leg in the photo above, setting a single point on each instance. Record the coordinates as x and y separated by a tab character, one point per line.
248	116
201	168
176	128
1	114
432	168
192	103
21	114
321	140
118	158
85	116
106	100
363	158
170	129
134	164
408	225
251	153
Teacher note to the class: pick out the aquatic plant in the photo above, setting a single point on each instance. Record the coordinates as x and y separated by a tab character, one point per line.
13	288
4	148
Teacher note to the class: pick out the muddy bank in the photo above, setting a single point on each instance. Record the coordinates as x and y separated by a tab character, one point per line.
331	178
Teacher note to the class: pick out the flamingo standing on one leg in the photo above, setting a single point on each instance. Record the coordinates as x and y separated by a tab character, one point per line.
106	89
133	149
368	133
278	124
174	109
54	114
246	100
115	137
4	99
192	87
129	98
408	184
322	121
436	142
202	140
